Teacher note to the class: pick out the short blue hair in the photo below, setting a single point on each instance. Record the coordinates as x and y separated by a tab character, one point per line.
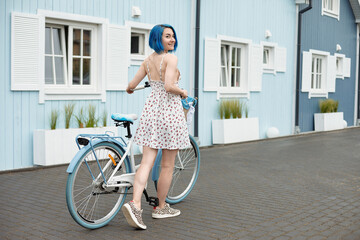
155	39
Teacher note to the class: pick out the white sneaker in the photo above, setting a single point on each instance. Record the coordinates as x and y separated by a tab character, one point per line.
133	215
165	212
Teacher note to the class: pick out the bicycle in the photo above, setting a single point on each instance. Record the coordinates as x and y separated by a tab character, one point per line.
103	171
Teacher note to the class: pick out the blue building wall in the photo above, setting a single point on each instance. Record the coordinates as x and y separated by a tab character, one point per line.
20	111
249	20
323	33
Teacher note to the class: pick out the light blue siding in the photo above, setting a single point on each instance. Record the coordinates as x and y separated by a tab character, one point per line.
20	111
249	20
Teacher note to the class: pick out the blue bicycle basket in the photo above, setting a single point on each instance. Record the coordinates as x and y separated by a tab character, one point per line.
185	102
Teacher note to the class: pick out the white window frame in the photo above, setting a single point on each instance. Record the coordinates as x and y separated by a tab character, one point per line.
53	55
140	28
270	67
340	65
69	87
96	89
323	91
318	85
328	68
335	13
243	89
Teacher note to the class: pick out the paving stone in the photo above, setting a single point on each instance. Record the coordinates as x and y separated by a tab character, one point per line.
287	188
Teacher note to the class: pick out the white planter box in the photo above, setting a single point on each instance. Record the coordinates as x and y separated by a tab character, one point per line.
329	121
52	147
235	130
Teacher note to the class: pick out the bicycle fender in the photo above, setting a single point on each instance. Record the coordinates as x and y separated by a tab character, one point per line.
76	158
155	170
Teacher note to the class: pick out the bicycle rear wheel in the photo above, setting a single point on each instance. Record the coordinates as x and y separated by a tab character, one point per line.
91	204
186	171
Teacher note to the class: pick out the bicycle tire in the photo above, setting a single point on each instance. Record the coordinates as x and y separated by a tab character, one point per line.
89	204
184	178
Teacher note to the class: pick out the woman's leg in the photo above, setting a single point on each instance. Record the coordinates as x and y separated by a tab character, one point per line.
142	174
167	168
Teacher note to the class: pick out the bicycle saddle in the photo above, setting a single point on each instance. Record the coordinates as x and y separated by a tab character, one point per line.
118	117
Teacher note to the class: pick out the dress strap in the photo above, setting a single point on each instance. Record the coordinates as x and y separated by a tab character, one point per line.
147	65
161	65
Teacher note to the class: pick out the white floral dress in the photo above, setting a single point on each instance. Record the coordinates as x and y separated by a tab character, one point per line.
162	123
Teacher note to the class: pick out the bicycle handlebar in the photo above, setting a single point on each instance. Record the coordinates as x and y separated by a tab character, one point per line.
146	85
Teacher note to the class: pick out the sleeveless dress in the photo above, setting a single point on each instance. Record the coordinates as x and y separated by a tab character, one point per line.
162	123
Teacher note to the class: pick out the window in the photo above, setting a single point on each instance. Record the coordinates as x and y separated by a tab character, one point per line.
67	56
139	44
231	66
317	72
339	66
70	56
55	55
320	71
331	8
268	59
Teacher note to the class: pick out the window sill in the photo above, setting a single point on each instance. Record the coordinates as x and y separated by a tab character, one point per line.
340	76
93	96
71	91
269	71
232	95
137	59
331	14
318	94
70	94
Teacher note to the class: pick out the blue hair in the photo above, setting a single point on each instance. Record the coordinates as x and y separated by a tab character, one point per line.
155	39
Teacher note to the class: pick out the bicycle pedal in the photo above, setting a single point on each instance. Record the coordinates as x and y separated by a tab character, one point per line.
153	201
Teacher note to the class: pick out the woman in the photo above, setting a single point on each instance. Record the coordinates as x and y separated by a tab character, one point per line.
162	124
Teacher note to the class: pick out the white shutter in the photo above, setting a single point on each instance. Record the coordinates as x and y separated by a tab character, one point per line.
26	52
331	74
306	72
118	57
280	59
212	64
347	67
256	62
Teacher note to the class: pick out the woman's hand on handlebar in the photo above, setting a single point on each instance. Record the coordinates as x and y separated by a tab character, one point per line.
129	90
184	94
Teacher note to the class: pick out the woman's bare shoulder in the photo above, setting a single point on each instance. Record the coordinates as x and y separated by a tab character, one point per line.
171	58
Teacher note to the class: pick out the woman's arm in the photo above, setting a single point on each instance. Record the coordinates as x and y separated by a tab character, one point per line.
171	76
139	76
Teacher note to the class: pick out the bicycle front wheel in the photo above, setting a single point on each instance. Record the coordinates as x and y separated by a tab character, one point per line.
186	171
90	203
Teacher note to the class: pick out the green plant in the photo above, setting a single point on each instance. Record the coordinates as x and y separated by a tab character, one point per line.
53	118
91	121
80	118
328	105
246	110
104	118
69	110
231	107
225	109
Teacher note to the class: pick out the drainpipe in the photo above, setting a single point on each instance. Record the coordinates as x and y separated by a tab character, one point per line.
196	78
357	123
298	55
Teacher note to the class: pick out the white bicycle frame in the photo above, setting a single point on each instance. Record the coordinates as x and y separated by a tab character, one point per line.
126	179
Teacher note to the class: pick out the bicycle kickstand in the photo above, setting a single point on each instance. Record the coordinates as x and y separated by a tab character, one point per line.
153	201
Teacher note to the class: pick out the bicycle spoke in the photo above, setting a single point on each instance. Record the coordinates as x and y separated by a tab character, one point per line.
95	203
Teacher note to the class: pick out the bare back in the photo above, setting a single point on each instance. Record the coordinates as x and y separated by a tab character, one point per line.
155	66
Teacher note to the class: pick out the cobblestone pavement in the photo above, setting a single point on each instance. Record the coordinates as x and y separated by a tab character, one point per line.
303	187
